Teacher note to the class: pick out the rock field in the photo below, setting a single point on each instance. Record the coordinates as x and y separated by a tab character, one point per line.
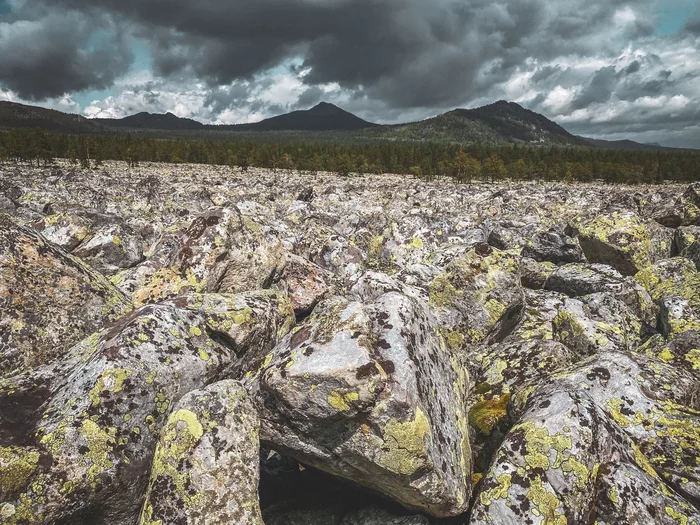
184	344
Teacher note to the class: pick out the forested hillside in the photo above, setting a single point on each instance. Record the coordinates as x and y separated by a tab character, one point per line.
427	160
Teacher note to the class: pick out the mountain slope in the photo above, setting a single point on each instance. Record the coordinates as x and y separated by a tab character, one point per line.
323	117
498	124
13	115
152	121
627	144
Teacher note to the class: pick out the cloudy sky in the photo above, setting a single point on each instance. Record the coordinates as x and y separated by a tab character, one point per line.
604	68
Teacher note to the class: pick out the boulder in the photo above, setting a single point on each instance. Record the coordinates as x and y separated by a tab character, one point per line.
534	274
249	324
553	246
49	299
682	352
687	244
478	297
370	393
577	280
677	315
672	277
101	415
111	247
605	441
620	240
206	465
596	323
306	284
66	230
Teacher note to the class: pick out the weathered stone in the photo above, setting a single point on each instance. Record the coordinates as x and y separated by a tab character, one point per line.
677	315
66	230
604	441
97	429
306	284
49	299
110	248
478	297
683	352
620	240
206	465
534	274
672	277
553	246
250	324
577	280
595	323
687	244
370	393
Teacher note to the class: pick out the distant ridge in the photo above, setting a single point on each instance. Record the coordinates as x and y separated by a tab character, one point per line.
322	117
627	144
499	124
14	115
152	121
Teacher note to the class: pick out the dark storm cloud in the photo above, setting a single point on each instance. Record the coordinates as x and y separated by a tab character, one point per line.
600	88
57	53
445	50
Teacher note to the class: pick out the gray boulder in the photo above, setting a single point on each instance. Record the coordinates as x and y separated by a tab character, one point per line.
369	392
206	465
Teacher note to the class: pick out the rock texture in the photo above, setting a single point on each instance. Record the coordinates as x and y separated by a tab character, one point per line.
188	344
206	465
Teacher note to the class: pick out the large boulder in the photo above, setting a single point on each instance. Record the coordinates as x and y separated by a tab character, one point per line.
686	243
553	246
49	299
250	324
306	284
66	230
577	280
597	322
478	297
370	393
672	277
620	240
101	415
206	464
605	441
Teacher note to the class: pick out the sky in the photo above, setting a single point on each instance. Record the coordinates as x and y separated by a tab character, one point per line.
609	69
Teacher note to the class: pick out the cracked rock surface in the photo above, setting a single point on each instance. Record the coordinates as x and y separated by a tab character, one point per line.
185	344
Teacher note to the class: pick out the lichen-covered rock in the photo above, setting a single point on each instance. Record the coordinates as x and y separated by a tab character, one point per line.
99	419
597	322
577	280
620	240
677	315
687	243
533	274
372	394
553	246
250	324
306	284
49	299
683	352
110	248
478	297
66	230
672	277
206	465
604	442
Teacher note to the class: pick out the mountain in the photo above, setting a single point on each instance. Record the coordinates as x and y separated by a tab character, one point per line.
152	121
627	144
13	115
498	124
323	117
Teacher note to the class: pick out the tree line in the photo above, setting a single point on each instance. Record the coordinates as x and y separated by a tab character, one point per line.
426	160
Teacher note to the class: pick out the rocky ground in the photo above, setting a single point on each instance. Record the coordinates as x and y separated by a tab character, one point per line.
186	344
